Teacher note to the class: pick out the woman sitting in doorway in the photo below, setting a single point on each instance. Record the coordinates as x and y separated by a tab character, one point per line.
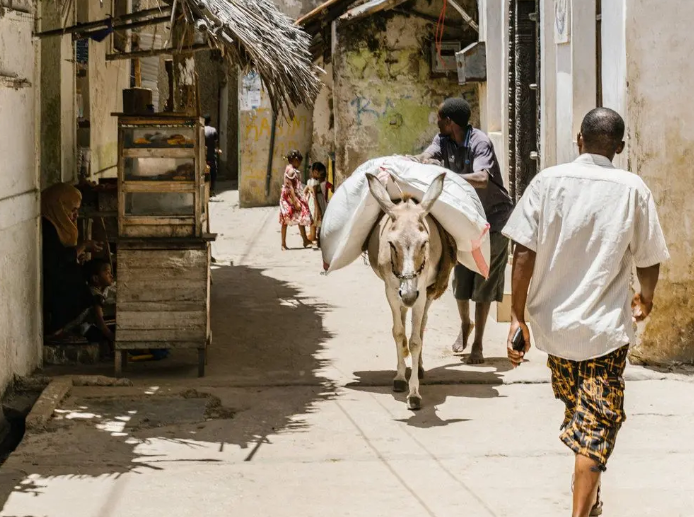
66	295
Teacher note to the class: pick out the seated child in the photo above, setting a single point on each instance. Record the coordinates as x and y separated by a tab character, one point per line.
99	277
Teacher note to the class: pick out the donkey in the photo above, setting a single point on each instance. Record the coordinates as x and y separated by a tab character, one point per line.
413	255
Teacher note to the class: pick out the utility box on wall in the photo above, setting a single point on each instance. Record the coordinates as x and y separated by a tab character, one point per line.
443	58
472	63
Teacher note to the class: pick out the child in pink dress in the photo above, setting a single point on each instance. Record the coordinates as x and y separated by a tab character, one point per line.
294	210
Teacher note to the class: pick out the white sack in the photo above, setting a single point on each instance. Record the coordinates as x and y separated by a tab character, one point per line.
353	211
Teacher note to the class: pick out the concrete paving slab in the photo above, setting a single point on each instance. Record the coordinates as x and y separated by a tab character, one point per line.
302	365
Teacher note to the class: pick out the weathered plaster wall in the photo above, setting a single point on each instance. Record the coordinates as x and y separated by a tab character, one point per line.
20	302
107	79
324	119
255	127
661	122
385	99
209	78
50	85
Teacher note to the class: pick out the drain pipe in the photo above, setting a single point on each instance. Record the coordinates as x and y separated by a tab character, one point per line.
268	176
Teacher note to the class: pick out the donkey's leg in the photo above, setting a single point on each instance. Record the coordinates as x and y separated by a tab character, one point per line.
420	371
399	313
414	399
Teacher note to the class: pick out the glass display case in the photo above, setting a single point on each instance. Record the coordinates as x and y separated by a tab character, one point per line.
161	176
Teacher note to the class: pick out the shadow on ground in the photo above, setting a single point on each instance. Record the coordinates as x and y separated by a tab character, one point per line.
439	384
266	337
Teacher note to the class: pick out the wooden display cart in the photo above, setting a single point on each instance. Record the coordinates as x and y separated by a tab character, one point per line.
163	295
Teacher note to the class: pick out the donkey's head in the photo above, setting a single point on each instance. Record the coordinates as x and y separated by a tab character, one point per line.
408	235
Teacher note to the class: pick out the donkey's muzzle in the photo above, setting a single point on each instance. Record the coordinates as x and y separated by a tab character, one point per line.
408	297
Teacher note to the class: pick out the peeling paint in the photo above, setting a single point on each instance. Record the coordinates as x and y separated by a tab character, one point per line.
661	151
385	96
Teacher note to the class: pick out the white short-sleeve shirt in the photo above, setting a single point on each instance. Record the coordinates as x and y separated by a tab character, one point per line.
588	223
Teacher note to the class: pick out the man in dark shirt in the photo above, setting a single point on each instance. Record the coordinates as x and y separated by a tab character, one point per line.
469	152
212	151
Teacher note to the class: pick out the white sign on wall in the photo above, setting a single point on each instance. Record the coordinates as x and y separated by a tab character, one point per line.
562	21
251	92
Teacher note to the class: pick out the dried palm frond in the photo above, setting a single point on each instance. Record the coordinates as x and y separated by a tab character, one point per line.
255	34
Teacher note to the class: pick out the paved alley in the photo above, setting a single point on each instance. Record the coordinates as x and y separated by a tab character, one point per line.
296	416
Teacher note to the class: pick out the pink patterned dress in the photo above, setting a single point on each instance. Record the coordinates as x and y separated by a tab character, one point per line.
289	214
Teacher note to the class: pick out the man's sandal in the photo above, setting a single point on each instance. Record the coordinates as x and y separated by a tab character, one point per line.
597	507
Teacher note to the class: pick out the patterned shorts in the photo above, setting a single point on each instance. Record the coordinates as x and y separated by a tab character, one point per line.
593	392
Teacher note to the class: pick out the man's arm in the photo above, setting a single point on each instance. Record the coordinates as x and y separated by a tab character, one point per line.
432	154
478	179
482	154
643	301
522	273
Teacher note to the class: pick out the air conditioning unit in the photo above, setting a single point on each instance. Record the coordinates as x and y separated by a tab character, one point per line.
472	63
445	63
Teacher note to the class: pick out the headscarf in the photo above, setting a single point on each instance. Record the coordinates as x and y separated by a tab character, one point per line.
458	110
57	202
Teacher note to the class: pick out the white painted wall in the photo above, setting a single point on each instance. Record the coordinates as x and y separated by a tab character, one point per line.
614	63
20	300
548	87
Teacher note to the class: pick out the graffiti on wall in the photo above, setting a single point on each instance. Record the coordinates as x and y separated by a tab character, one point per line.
256	131
366	108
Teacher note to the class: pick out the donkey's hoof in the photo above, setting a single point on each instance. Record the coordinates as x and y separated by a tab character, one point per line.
414	403
420	372
399	386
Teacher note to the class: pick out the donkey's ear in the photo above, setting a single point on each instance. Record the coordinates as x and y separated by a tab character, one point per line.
379	192
433	193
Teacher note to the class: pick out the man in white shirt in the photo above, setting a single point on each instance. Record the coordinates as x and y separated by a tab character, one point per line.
578	229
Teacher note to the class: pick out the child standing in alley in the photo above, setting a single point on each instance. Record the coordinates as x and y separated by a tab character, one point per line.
294	210
312	192
322	187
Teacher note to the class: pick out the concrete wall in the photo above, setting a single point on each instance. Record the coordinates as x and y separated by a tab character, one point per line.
385	98
661	128
107	79
254	125
20	300
52	109
255	128
323	139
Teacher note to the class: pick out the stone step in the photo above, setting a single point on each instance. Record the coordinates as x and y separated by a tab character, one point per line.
77	352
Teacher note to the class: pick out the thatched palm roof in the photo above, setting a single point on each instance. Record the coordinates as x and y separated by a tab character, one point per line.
255	34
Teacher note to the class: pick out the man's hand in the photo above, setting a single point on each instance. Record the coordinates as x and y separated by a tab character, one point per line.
641	307
514	356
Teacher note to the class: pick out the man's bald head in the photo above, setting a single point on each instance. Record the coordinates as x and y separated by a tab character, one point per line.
602	132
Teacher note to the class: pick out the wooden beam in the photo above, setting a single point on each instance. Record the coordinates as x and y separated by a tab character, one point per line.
156	52
79	27
123	27
369	8
468	19
319	11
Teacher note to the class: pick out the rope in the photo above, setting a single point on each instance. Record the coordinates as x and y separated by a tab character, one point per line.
440	28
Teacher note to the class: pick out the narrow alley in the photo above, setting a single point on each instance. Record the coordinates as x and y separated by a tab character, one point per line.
296	415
